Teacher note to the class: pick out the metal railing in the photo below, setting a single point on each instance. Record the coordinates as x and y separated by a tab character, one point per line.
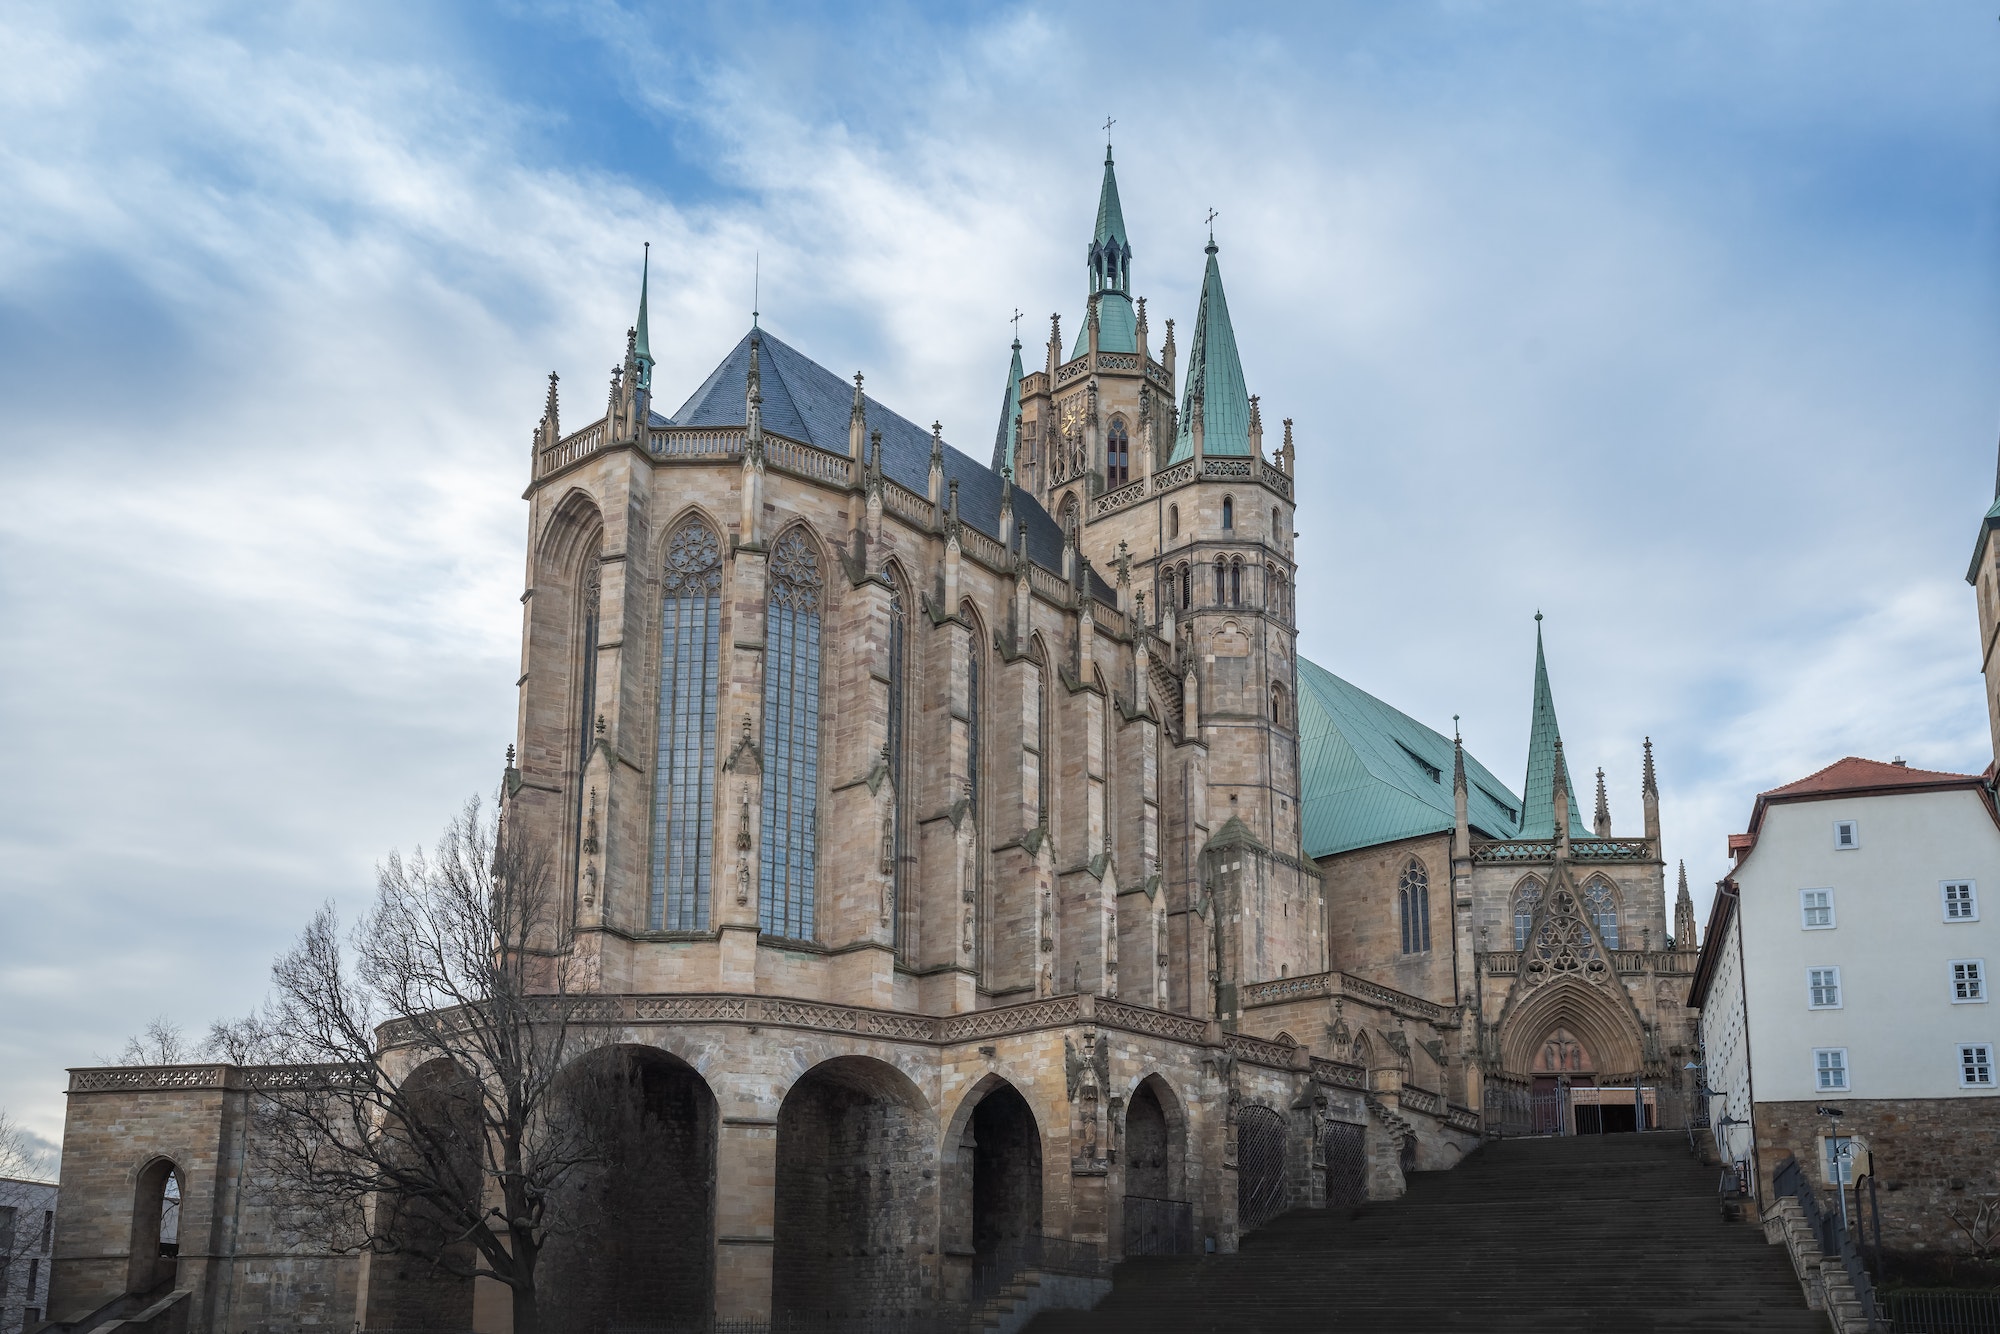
1943	1311
1790	1180
1158	1227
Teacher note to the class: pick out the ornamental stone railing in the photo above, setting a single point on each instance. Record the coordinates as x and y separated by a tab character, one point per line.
182	1078
1112	501
569	449
1339	1074
807	461
906	504
1261	1051
696	443
1417	1099
1168	478
1225	469
1580	849
1070	370
1312	985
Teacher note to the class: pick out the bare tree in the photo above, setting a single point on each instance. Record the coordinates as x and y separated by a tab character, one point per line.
428	1106
162	1043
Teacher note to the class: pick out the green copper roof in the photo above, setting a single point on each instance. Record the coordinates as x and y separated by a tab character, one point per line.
1110	217
645	347
1117	326
1010	408
1538	812
1214	371
1370	774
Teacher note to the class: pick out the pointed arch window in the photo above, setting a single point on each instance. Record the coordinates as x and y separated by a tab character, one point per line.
1117	456
1221	581
1525	900
1228	512
1187	587
586	696
791	740
684	765
1173	521
898	750
1236	583
1602	907
1413	902
1277	704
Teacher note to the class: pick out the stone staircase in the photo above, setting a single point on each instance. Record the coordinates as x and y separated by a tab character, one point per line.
1613	1232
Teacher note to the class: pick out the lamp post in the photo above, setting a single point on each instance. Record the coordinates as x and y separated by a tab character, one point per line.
1843	1158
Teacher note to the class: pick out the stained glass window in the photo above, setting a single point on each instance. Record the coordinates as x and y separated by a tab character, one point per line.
586	692
791	740
1602	907
1117	456
684	767
898	747
1413	896
1525	900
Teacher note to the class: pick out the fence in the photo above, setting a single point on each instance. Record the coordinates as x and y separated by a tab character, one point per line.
1941	1311
1158	1227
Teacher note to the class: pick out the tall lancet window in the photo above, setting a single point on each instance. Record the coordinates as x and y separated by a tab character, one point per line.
684	767
791	740
1525	900
898	749
1602	905
1117	456
586	692
1413	902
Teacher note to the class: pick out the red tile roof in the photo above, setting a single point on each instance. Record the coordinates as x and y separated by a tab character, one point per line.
1854	773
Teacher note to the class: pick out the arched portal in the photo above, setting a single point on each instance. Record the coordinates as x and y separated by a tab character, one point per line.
426	1281
1159	1219
852	1194
639	1236
156	1205
1006	1172
1260	1167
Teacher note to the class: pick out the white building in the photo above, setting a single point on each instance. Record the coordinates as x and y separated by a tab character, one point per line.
27	1232
1846	966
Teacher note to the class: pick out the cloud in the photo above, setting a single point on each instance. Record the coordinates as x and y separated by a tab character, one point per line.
1671	321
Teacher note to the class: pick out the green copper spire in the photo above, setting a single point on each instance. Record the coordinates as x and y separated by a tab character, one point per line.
1005	439
1109	261
1538	792
644	344
1110	217
1215	375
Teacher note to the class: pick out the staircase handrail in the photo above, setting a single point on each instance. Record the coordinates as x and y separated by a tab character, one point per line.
1790	1180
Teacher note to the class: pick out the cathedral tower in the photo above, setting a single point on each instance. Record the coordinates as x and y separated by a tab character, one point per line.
1984	576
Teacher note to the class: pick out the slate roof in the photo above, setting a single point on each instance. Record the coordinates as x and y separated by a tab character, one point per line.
1371	774
805	401
1215	371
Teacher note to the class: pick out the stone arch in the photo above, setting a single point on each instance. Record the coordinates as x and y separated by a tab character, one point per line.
1522	901
1158	1216
995	1153
647	1204
854	1213
427	1282
574	522
1261	1159
157	1189
1609	1031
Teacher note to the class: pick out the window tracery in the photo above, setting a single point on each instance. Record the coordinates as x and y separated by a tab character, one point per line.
791	739
1602	906
1525	900
1117	456
684	768
1413	900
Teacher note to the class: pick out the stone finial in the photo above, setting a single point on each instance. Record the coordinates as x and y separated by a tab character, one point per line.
1648	781
551	412
600	726
510	764
1601	821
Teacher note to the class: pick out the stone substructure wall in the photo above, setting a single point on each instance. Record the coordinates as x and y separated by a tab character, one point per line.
247	1269
1933	1158
891	1101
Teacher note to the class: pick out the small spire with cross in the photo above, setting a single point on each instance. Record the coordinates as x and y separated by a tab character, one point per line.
1210	220
1017	326
1108	123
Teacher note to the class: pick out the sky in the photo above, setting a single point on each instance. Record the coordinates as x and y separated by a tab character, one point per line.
1673	321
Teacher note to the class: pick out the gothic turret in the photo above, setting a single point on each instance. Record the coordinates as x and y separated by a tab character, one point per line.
643	342
1008	438
1214	402
1109	264
1684	936
1545	760
1601	821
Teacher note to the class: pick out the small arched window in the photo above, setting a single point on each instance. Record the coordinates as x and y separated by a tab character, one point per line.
1236	583
1413	900
1525	900
1117	456
1221	581
1602	905
1274	523
1187	587
1277	704
1173	521
1228	512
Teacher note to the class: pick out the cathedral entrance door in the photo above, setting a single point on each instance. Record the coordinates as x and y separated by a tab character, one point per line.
1260	1167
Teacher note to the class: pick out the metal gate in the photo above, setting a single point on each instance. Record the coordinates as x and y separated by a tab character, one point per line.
1342	1150
1158	1227
1260	1167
